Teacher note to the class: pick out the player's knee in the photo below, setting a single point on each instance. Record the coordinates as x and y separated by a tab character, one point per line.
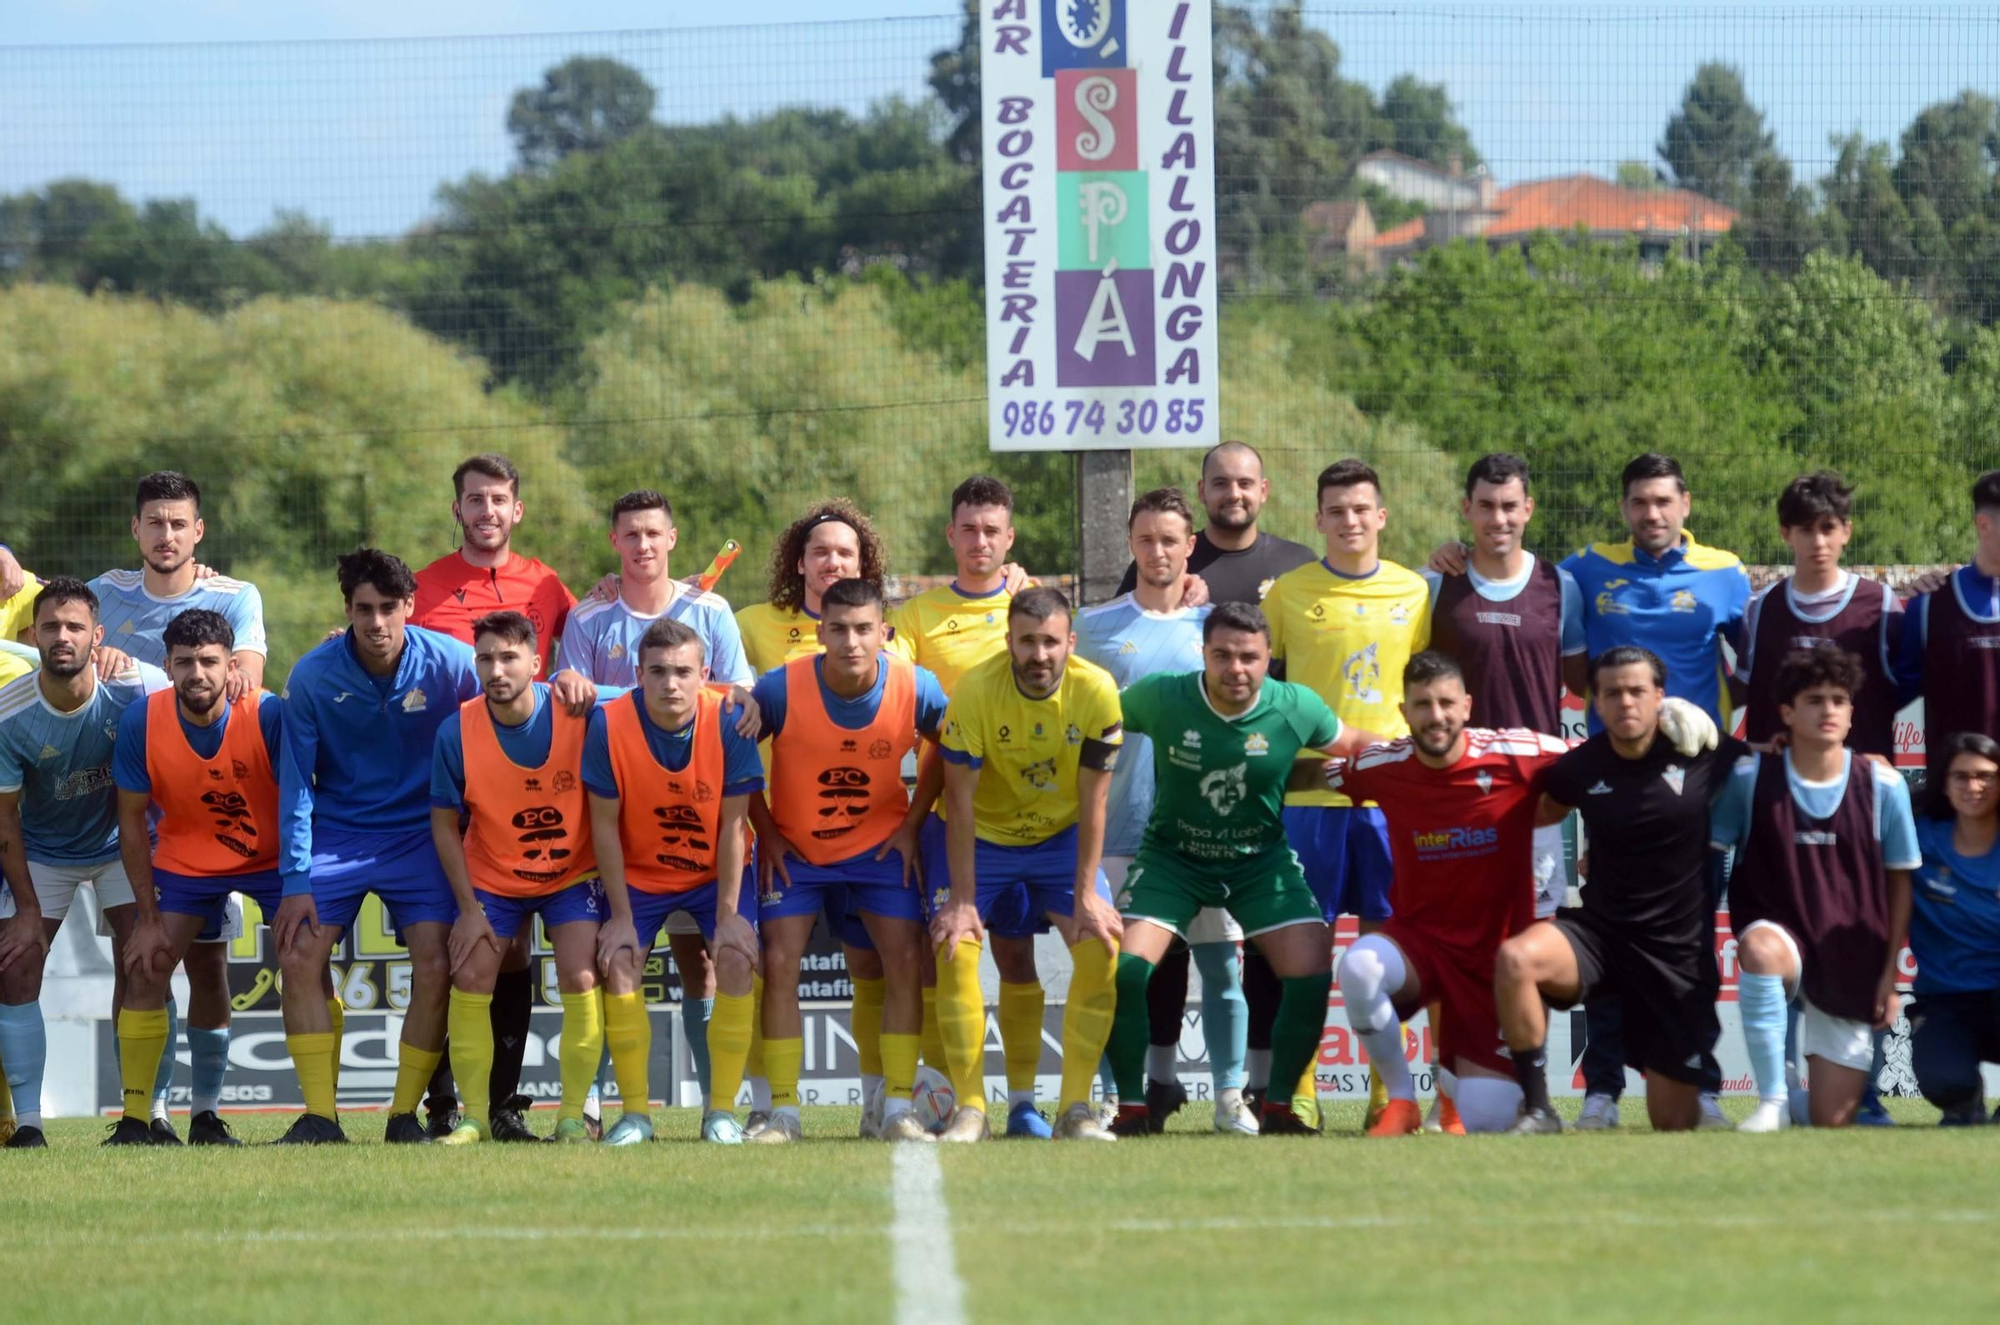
1763	951
1514	964
305	969
1947	1075
1371	969
732	972
1487	1104
430	970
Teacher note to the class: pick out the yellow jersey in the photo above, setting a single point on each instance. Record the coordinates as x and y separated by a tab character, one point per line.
1346	640
952	632
773	637
17	614
1027	750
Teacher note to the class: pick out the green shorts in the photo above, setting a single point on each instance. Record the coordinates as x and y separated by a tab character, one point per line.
1263	893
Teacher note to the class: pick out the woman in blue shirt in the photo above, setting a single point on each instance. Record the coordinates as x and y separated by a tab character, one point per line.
1955	930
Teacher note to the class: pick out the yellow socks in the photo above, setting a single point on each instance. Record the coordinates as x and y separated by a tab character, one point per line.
142	1039
1093	1001
628	1033
932	1043
867	1026
782	1059
312	1059
753	1066
7	1098
961	1022
899	1066
582	1047
1021	1033
338	1012
469	1027
414	1067
729	1032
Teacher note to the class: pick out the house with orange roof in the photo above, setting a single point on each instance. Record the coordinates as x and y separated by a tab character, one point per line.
1663	220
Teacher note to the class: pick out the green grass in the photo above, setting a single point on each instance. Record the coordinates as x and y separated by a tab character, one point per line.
1869	1224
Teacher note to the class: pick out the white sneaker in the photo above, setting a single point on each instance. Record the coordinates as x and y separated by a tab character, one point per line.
1107	1111
1712	1117
1079	1123
1235	1119
905	1127
1600	1114
966	1125
755	1124
781	1128
1432	1122
871	1116
1768	1116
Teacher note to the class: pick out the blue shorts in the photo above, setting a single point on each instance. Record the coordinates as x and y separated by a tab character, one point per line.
400	868
189	895
845	921
1344	850
858	885
650	910
1019	886
582	900
1008	910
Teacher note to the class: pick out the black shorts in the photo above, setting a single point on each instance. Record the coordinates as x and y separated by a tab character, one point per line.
1669	993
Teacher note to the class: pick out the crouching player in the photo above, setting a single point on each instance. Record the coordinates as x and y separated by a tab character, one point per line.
1820	894
1029	742
209	768
508	762
1461	805
1224	743
670	779
840	725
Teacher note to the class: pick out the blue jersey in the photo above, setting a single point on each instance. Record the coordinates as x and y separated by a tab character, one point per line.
1130	642
134	620
742	769
1978	597
1954	915
602	639
526	745
128	766
358	746
852	714
1729	813
61	764
1682	606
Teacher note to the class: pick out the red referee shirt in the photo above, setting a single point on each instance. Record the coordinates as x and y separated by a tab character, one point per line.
452	593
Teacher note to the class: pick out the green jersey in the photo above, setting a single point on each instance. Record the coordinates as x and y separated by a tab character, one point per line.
1221	781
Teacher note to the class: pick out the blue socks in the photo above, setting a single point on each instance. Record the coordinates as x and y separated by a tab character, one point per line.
1225	1017
163	1080
1761	1000
24	1048
210	1051
1106	1078
695	1013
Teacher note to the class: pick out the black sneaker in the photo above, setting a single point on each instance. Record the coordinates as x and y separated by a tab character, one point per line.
405	1130
130	1132
441	1121
163	1133
1163	1100
1253	1098
1132	1120
310	1129
1279	1120
207	1129
510	1120
28	1138
1535	1122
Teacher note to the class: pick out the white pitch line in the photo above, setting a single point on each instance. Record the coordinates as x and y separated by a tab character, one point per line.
928	1289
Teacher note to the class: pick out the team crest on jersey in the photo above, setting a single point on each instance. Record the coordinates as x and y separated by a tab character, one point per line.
1072	735
1399	615
1363	673
703	793
1675	776
415	702
1682	601
1485	781
240	769
1225	788
1038	730
1264	589
563	782
1256	743
618	651
879	749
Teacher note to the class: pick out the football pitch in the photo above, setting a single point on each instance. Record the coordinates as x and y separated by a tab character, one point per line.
1873	1224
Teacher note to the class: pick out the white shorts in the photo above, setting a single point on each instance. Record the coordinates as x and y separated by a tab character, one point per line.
1212	924
1842	1041
56	885
1551	881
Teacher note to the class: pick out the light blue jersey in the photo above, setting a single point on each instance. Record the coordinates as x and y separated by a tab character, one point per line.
1895	826
1130	642
61	764
134	620
601	641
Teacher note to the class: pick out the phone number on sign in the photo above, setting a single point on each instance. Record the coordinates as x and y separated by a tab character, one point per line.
1067	418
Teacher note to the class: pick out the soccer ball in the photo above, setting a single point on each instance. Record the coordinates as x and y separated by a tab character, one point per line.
932	1099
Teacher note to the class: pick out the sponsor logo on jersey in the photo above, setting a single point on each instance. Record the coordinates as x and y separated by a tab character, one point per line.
1041	775
1191	739
1601	789
1129	646
1607	600
340	698
1434	840
1498	619
1674	776
1814	837
1225	788
1362	671
415	702
50	752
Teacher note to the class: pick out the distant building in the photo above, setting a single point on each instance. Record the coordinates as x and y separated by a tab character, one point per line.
1341	231
1661	220
1434	188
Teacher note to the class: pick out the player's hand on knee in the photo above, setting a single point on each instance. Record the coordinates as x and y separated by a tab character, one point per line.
467	932
734	933
297	917
616	937
954	923
149	955
1687	727
22	938
1097	919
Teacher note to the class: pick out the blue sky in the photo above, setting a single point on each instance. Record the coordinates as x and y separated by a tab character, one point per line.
355	110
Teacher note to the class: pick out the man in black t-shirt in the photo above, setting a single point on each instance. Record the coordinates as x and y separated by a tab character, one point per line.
1646	928
1232	557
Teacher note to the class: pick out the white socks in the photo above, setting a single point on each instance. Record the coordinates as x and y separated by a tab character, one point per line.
1372	968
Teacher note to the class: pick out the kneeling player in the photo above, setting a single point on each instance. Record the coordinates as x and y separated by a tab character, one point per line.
1646	928
1820	894
1029	741
1460	805
508	762
669	844
209	768
1224	742
840	725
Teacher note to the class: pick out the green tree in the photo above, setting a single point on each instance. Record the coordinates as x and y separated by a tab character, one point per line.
1421	122
1713	141
954	81
585	104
